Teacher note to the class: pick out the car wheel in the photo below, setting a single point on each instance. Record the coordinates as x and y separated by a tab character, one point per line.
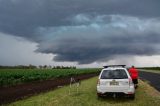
99	96
136	86
132	96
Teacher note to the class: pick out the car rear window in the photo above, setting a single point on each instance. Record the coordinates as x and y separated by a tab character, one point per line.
114	74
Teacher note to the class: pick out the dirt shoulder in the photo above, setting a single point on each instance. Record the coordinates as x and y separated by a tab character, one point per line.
11	94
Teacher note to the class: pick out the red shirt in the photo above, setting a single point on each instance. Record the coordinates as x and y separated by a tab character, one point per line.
134	73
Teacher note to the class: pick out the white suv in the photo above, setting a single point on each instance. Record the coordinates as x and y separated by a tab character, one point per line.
113	80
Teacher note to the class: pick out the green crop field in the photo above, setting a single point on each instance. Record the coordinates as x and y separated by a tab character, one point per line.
15	76
86	96
150	69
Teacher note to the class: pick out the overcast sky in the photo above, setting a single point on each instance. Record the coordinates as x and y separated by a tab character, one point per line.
85	33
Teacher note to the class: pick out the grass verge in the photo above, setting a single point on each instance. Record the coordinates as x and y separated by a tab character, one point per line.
86	96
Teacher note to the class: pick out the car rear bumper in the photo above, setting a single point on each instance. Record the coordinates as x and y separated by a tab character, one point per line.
114	94
105	90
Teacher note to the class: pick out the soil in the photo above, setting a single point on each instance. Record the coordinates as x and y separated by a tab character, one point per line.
17	92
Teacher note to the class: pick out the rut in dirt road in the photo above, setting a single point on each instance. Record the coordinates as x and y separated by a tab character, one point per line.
153	78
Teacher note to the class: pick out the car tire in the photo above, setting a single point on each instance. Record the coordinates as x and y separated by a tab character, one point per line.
99	96
136	86
132	97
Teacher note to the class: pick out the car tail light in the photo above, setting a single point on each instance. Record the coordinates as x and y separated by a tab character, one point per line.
130	81
130	93
98	82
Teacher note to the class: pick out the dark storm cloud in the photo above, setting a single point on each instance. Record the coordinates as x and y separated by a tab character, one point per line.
22	17
85	52
85	31
102	40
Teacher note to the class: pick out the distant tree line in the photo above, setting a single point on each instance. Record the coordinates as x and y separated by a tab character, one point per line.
19	67
56	67
150	68
37	67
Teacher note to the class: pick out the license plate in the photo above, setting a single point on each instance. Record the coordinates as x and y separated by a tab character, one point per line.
114	83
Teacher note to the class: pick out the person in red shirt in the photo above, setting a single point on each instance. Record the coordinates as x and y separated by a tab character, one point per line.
134	75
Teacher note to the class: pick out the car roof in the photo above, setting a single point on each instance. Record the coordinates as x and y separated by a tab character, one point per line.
113	68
